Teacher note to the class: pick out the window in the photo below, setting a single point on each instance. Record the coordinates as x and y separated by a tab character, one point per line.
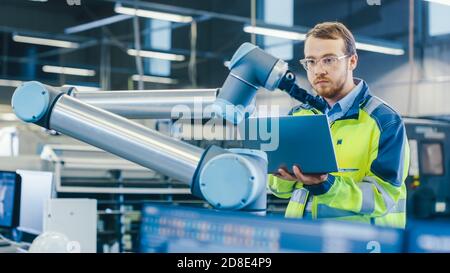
438	19
159	37
279	12
432	159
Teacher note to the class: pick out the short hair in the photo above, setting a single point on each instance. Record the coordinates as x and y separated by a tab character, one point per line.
334	31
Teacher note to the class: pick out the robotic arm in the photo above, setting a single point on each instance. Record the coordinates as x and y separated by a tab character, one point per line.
207	172
151	104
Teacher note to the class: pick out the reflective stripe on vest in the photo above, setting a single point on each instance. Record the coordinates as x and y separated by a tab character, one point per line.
297	203
299	196
390	203
368	200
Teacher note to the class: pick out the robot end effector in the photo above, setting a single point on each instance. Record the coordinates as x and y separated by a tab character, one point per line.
252	68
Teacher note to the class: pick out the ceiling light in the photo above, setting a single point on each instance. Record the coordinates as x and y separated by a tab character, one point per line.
156	55
154	79
301	37
153	14
12	83
380	49
44	41
442	2
68	70
275	33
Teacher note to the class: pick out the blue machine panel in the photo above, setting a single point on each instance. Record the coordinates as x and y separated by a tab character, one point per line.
181	229
431	237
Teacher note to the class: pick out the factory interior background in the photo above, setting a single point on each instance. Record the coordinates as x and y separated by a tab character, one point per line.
92	200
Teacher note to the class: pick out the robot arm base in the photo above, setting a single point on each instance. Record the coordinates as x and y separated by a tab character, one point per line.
233	179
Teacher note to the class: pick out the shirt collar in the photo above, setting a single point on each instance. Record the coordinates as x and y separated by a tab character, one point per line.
346	102
343	105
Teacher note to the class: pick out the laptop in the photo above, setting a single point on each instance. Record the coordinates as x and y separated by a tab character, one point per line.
305	141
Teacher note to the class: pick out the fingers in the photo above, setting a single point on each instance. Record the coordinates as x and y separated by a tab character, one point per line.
323	177
285	175
278	175
298	173
308	179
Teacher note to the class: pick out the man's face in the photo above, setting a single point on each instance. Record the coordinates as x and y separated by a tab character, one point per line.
328	81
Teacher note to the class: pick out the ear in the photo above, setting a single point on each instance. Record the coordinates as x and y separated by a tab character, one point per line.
353	62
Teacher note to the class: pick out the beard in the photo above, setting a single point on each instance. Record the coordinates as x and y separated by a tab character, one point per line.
331	89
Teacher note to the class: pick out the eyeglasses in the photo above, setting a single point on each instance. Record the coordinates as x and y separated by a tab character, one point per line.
325	62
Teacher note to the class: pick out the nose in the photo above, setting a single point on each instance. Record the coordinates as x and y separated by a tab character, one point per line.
318	70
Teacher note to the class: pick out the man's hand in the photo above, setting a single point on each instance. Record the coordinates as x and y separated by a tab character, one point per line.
307	179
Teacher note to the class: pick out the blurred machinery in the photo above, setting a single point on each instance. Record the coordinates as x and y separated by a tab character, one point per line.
86	169
429	178
175	229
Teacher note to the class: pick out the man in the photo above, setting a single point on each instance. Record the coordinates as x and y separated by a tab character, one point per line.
369	140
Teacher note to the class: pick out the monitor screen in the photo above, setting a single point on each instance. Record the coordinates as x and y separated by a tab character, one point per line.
36	189
432	158
9	199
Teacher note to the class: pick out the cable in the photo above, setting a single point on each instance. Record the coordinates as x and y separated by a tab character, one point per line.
288	84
